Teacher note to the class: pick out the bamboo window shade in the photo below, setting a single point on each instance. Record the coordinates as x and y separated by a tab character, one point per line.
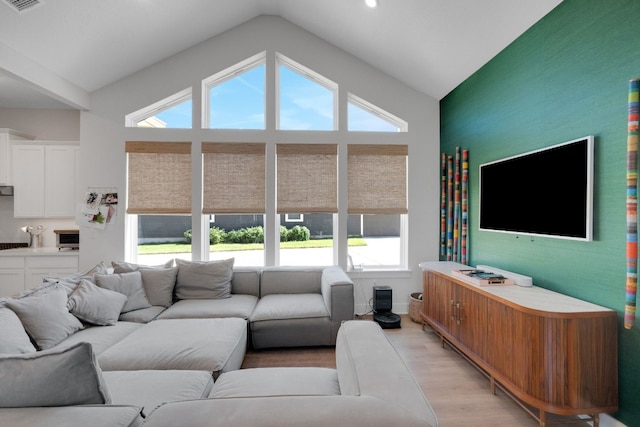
377	176
307	178
233	178
159	177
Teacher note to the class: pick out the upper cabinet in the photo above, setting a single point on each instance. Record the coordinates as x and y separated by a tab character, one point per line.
6	136
44	179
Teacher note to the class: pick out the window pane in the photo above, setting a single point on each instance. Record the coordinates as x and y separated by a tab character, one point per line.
238	103
363	120
237	236
304	103
162	238
178	116
309	242
382	237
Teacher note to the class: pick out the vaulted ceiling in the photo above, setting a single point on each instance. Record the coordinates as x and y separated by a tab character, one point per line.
54	54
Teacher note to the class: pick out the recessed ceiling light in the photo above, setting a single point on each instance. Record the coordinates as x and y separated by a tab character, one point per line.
371	3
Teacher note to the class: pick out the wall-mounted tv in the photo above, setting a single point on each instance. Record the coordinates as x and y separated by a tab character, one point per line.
547	192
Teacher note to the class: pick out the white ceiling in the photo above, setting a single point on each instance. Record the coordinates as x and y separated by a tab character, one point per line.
63	47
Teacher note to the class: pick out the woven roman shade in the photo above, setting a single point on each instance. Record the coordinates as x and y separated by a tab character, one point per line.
307	178
377	176
159	177
233	178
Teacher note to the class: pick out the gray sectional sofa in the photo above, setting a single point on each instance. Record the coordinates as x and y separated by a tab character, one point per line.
116	347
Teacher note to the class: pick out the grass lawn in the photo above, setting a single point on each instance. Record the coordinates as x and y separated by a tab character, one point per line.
175	248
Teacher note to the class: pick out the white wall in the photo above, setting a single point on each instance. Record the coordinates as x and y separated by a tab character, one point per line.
103	134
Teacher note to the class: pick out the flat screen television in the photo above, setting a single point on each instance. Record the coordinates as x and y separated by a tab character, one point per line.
546	192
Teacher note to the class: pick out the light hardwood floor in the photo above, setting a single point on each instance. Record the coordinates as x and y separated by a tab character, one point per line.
458	392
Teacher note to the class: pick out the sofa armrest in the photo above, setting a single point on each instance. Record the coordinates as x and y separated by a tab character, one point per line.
337	291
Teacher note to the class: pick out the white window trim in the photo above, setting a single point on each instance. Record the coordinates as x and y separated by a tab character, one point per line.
226	75
282	60
132	119
402	125
287	218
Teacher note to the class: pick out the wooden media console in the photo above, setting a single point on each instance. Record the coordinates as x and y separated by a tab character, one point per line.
552	353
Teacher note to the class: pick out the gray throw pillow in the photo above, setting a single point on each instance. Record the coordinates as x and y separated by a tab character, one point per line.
159	284
127	267
204	279
71	281
129	284
13	339
57	377
45	317
96	305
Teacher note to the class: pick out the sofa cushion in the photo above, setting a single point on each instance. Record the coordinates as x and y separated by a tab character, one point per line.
289	306
290	381
129	284
58	377
159	281
237	305
159	284
93	304
14	338
290	280
101	337
204	279
71	281
127	267
214	345
73	416
45	317
143	315
150	389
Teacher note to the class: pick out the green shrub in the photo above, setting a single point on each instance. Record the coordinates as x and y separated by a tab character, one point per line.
216	235
246	235
283	233
298	234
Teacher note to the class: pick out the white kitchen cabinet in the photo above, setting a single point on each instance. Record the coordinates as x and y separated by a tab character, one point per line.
37	267
21	272
6	137
44	179
11	275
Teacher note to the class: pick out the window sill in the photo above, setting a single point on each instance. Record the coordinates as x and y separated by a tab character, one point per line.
387	273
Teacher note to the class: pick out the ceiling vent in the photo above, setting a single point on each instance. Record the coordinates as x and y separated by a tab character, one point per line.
23	5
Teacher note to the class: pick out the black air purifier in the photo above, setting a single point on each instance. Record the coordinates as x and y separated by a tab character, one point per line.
382	303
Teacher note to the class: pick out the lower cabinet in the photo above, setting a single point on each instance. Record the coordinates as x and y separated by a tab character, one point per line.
11	275
18	273
557	356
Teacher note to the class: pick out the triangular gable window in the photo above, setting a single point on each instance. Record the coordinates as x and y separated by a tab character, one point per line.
364	116
174	111
307	100
235	97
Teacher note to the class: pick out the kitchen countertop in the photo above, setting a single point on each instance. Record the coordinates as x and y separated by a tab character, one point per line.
37	252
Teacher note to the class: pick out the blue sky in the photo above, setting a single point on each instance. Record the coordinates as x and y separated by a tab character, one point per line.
238	103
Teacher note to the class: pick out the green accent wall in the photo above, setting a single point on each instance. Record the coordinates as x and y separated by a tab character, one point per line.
565	78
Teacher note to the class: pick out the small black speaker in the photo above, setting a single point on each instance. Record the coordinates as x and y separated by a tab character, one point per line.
382	299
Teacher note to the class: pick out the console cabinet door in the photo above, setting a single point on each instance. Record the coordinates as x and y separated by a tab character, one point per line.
438	301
